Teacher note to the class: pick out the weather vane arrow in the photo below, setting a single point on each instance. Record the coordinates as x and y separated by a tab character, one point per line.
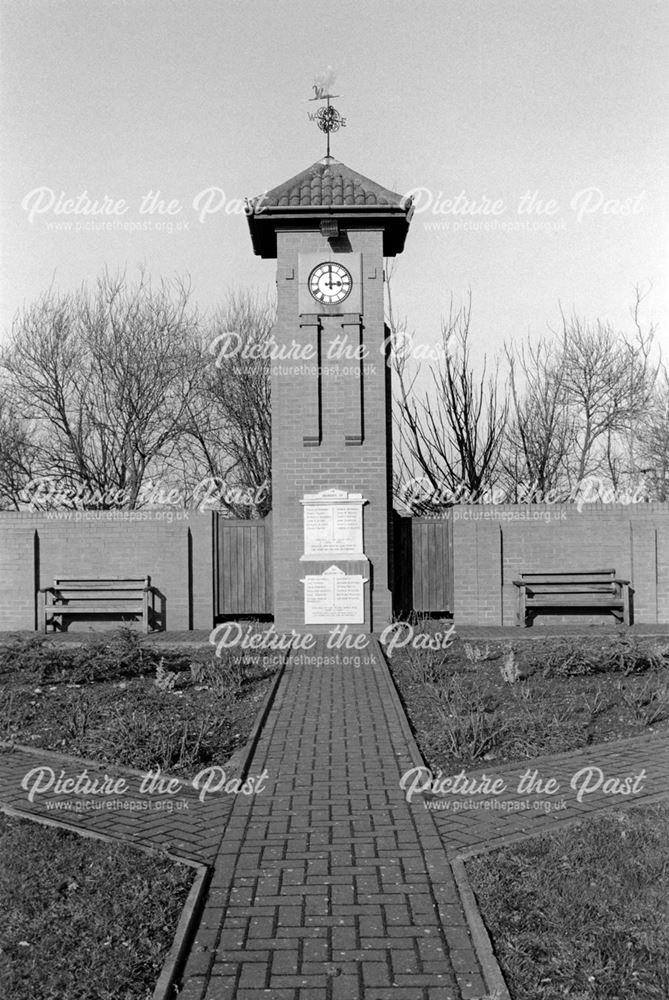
327	118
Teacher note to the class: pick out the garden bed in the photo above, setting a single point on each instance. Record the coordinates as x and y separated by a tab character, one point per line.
473	703
119	701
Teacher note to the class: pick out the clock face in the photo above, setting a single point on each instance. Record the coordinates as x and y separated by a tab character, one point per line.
330	283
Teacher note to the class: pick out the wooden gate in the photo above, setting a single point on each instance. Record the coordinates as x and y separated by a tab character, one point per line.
423	576
243	567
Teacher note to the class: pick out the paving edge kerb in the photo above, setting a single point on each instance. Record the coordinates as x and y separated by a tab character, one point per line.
186	928
192	909
492	973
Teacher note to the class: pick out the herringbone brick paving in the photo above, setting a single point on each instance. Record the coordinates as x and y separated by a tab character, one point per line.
191	829
329	886
476	822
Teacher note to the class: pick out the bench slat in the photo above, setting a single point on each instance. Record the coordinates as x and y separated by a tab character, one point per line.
538	594
565	601
89	602
572	572
76	584
568	588
65	594
103	579
581	581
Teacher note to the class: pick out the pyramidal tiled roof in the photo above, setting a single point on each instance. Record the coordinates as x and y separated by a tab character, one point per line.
328	183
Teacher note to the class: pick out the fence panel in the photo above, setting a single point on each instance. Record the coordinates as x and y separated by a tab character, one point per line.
432	564
423	565
244	567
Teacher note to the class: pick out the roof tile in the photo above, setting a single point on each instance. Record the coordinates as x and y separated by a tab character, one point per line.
328	182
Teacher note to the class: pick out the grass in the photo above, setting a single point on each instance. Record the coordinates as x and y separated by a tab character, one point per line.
83	920
121	702
582	914
470	704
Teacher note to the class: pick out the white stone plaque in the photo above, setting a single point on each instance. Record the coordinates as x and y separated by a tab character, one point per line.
333	525
333	598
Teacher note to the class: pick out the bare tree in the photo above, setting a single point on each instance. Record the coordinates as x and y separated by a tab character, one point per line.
449	436
578	405
226	453
539	430
654	441
18	455
608	379
105	378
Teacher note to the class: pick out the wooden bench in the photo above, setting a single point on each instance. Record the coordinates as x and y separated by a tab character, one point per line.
112	595
581	592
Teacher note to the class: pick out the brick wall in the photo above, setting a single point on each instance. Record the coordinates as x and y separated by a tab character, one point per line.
493	545
19	546
177	555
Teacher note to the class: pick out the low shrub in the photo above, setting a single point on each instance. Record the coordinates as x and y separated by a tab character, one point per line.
649	702
579	657
122	701
506	701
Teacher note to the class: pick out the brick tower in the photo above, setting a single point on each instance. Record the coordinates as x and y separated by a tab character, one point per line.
329	229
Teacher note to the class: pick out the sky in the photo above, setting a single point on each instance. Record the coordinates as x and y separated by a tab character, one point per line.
534	136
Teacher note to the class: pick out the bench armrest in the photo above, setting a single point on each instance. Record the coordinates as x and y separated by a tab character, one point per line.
520	583
47	590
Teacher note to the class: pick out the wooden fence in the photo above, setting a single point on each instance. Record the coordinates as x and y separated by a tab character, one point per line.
243	562
423	565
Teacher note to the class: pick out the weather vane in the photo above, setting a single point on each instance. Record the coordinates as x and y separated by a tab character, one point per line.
327	118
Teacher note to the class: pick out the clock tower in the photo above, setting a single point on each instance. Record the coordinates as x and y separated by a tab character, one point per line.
329	229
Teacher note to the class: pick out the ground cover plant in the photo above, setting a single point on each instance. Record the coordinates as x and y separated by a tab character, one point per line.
475	702
118	700
82	919
582	914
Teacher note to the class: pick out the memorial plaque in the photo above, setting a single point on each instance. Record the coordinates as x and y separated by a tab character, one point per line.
333	525
333	598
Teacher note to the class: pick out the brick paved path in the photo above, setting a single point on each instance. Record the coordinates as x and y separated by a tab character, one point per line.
471	823
329	886
191	830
